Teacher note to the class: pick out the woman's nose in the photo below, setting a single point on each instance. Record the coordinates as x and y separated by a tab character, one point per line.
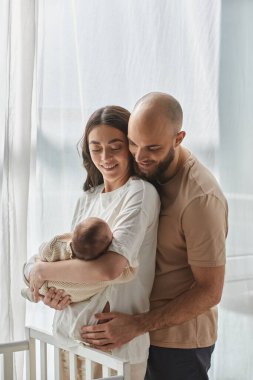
106	154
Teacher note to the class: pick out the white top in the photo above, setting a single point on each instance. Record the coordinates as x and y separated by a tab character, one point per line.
132	214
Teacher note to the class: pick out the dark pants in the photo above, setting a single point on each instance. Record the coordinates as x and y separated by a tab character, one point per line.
178	364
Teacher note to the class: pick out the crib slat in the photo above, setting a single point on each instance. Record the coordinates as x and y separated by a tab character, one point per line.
126	371
72	366
57	362
88	369
8	365
105	371
43	360
31	359
112	378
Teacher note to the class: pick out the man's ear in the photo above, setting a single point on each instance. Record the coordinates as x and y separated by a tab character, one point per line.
179	138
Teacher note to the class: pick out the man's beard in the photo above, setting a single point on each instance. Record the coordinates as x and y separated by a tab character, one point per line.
158	174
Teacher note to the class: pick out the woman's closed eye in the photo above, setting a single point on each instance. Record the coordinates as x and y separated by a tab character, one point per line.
94	150
116	147
100	149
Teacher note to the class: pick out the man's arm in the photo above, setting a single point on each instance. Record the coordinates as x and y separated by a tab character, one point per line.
122	327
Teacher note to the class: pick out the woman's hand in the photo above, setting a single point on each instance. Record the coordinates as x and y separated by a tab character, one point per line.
56	299
36	281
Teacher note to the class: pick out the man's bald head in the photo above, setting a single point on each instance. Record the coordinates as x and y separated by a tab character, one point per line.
159	104
155	135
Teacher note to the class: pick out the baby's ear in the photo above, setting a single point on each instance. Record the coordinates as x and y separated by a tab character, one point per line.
72	255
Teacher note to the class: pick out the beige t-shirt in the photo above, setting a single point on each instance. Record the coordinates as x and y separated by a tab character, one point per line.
192	231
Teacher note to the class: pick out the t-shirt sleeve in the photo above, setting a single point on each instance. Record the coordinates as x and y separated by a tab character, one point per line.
139	214
205	227
78	211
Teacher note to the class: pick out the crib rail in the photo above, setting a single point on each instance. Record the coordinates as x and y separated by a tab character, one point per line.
45	340
7	350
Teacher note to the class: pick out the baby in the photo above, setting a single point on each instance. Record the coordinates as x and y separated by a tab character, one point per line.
89	240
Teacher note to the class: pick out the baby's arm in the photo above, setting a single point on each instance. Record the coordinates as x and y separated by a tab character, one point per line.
56	249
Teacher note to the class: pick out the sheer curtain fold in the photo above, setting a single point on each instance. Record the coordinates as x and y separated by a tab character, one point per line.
17	60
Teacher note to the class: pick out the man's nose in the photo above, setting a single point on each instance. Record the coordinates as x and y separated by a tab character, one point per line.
139	155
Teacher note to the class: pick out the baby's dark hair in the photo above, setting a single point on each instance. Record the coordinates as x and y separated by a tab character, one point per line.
91	238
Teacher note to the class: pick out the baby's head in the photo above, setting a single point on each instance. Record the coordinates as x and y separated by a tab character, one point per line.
91	238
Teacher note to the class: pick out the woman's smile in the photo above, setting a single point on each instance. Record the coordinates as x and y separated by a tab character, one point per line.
108	166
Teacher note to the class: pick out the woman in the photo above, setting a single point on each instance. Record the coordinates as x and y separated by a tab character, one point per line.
130	206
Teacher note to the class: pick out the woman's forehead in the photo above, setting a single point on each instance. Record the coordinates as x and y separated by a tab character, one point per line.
106	132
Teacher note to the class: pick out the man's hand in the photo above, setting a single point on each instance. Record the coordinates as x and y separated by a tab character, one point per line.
119	329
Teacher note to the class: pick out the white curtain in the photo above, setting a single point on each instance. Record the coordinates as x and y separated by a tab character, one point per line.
17	64
234	351
17	34
63	59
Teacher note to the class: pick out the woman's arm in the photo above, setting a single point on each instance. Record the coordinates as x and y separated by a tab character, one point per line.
124	250
107	267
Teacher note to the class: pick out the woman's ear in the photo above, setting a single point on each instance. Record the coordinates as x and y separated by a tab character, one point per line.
179	138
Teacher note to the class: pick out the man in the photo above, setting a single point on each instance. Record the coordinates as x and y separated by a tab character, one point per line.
191	250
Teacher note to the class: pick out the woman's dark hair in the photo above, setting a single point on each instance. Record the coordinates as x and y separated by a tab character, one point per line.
113	116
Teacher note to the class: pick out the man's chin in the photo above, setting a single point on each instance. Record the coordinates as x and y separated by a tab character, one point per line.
145	173
148	174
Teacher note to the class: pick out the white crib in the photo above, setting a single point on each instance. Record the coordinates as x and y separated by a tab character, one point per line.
44	339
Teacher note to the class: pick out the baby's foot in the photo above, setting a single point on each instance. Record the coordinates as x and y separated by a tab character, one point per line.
27	294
